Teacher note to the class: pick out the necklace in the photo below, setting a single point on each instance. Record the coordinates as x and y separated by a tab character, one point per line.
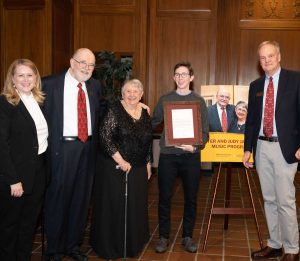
133	112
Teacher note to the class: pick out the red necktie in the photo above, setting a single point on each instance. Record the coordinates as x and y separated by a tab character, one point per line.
269	110
224	120
82	115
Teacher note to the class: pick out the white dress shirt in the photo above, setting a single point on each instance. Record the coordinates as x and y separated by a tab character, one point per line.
70	106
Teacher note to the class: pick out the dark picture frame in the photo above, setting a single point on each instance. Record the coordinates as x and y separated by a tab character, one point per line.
169	108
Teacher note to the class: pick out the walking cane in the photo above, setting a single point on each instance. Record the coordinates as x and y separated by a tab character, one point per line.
43	233
125	213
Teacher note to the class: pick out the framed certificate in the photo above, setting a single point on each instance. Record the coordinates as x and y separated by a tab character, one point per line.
182	121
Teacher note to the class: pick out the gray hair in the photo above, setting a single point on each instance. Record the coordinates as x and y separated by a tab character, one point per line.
133	82
242	104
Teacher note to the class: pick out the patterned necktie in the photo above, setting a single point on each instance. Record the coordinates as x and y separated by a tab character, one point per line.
224	120
82	114
269	110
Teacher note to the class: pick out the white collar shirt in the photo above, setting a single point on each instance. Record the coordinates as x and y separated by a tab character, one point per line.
70	127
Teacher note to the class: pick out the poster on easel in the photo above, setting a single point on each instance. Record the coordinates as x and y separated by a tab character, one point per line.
224	147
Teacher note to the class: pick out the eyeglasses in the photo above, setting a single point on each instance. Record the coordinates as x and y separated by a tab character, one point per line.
224	97
83	64
182	75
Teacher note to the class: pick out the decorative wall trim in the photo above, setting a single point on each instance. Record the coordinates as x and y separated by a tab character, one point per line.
270	24
270	9
297	8
249	8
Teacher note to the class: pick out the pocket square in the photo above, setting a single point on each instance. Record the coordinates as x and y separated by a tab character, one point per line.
258	94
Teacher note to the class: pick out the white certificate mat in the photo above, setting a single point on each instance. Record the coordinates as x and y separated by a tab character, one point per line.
183	123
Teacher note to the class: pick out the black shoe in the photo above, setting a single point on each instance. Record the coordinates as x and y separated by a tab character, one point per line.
79	256
267	252
290	257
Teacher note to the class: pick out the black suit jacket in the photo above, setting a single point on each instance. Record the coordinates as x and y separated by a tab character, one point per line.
53	87
214	120
287	114
18	145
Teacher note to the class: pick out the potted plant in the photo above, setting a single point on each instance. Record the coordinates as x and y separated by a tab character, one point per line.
112	72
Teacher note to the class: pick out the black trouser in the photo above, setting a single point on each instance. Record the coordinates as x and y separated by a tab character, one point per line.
67	198
188	167
18	217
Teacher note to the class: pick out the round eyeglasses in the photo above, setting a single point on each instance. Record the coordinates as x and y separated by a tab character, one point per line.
83	64
181	75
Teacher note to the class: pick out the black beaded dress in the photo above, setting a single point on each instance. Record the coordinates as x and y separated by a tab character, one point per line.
133	139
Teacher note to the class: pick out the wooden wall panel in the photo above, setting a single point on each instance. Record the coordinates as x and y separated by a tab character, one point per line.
21	4
108	32
179	33
26	34
113	25
219	37
62	44
267	20
243	26
109	3
228	42
189	5
187	48
249	68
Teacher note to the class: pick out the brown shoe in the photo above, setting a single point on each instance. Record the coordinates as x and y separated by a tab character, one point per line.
267	252
290	257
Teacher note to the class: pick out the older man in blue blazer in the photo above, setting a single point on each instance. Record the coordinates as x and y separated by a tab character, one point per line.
221	118
272	132
221	111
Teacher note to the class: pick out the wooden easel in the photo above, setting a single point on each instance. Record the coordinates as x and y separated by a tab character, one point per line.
230	211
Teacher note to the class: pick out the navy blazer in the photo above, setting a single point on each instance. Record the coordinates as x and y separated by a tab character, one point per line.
18	145
287	114
53	87
214	120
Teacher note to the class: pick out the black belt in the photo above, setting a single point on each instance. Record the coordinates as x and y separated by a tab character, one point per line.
74	138
270	139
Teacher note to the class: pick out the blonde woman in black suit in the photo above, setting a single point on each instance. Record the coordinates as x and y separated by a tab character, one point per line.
23	142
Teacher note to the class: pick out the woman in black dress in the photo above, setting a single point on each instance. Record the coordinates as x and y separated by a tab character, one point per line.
126	139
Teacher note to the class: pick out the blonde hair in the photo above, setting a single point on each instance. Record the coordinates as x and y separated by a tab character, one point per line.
9	90
133	82
273	43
